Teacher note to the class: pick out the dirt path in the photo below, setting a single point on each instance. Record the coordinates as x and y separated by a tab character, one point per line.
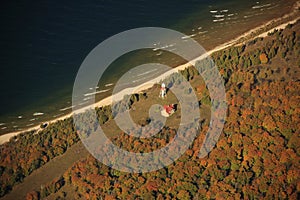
48	172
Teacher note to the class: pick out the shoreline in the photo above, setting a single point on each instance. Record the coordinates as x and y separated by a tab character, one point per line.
252	34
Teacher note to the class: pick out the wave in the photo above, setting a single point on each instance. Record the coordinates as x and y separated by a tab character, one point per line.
143	78
174	49
80	104
138	80
87	98
30	124
66	108
97	87
33	119
188	36
229	15
58	115
108	84
158	54
272	7
93	93
1	124
261	6
202	32
213	11
224	11
247	16
219	16
233	19
147	72
218	20
37	113
3	128
164	47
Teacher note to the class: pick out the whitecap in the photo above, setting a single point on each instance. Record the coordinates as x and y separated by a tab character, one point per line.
4	128
58	115
202	32
93	93
174	49
20	117
33	119
213	11
188	36
218	20
108	84
144	73
80	104
66	108
272	7
219	16
1	124
87	98
30	124
164	47
262	6
138	80
37	113
156	44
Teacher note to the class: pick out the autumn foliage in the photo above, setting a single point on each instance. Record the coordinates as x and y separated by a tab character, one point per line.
256	157
263	58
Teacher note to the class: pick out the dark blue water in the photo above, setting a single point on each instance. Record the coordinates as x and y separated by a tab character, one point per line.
43	43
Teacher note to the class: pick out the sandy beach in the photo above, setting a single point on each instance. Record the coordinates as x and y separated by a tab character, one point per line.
107	101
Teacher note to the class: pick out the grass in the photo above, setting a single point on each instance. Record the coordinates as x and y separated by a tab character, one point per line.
139	113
